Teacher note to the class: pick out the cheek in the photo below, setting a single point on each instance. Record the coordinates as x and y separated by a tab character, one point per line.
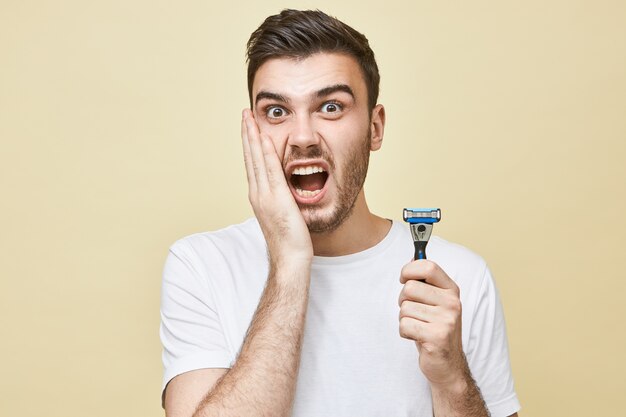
344	137
278	134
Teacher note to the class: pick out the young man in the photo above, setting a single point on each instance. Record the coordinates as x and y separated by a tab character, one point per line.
300	312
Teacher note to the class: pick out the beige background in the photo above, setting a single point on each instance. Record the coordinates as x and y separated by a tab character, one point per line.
119	128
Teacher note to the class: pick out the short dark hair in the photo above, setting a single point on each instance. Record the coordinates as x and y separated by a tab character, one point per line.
301	33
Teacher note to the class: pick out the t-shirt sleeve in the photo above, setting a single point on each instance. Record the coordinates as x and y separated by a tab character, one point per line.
191	332
488	352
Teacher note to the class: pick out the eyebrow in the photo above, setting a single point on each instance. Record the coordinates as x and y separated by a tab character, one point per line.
326	91
269	96
333	89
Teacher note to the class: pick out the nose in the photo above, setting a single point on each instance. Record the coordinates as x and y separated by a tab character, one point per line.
302	133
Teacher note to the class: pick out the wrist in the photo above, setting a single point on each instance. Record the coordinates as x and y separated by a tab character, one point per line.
291	268
291	259
459	396
454	386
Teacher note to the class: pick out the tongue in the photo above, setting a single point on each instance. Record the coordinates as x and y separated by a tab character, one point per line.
311	182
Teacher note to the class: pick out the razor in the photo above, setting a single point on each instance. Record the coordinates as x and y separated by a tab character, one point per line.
421	221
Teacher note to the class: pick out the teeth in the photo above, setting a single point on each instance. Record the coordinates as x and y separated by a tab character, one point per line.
307	170
306	193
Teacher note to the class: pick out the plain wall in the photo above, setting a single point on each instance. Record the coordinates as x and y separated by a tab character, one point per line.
119	129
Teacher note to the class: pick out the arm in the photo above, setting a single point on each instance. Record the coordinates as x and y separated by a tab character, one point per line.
263	377
459	399
262	380
185	391
430	314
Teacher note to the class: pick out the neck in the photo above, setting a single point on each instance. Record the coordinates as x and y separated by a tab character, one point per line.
361	230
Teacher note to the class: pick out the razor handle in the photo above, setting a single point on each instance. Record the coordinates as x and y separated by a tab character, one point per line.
420	249
421	234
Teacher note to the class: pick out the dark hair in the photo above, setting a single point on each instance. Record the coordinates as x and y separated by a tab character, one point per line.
301	33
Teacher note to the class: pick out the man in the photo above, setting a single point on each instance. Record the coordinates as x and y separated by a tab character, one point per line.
300	311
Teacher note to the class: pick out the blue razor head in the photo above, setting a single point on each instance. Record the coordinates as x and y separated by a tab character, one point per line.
421	215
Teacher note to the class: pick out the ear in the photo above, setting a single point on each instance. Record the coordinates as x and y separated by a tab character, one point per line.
377	126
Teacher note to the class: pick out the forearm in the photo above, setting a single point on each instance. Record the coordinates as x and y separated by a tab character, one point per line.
262	380
461	399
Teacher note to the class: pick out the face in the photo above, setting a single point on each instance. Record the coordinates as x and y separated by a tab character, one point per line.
316	112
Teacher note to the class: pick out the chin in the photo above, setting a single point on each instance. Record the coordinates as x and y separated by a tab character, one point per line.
324	221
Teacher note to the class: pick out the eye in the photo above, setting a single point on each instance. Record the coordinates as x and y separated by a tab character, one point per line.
331	107
275	112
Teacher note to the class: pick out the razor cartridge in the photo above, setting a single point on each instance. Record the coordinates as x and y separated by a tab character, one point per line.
421	222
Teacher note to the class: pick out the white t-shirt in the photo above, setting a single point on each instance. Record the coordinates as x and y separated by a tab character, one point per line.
354	362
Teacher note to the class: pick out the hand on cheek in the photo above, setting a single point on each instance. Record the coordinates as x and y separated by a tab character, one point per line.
285	231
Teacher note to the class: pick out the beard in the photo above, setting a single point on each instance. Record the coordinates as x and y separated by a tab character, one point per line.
353	173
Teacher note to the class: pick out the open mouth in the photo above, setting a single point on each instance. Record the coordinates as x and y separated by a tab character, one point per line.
308	181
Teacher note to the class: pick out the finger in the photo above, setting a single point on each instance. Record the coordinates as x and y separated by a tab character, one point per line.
256	153
275	173
428	271
422	292
247	157
413	329
418	311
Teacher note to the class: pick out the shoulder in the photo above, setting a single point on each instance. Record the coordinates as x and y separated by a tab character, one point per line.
479	294
231	239
456	257
220	250
468	269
